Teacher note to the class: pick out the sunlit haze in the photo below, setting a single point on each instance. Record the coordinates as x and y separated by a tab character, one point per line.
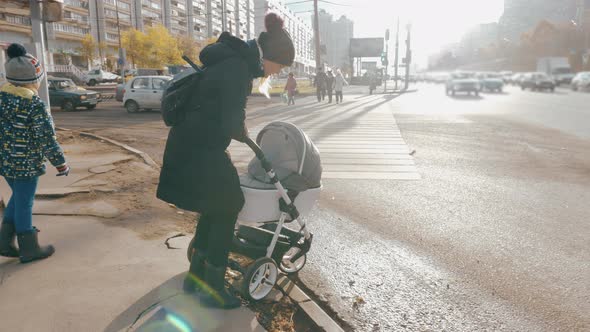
434	23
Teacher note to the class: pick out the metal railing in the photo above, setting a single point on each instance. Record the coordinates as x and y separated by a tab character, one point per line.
67	69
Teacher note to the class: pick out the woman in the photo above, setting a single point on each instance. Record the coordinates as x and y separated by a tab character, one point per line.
197	173
330	85
27	137
339	83
291	87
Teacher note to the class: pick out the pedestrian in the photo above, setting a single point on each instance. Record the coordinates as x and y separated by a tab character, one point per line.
291	88
320	84
27	137
330	85
197	173
339	83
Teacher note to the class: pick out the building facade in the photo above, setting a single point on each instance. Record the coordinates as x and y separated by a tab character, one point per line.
300	32
523	15
106	19
335	38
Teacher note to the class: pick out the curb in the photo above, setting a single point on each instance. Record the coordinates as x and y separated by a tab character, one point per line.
305	303
146	158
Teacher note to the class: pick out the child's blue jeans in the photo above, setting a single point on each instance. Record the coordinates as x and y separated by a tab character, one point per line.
19	210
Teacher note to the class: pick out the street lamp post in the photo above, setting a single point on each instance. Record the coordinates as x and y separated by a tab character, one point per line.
316	33
39	42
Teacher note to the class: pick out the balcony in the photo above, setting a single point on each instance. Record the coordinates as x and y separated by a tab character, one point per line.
16	19
76	3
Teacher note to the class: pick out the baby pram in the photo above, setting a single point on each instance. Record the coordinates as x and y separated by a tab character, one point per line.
282	185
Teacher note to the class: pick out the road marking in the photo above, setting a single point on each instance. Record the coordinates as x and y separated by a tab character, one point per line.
354	143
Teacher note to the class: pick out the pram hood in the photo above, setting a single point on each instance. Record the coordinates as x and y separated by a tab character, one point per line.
294	157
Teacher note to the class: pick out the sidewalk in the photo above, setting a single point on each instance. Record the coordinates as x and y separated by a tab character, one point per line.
111	270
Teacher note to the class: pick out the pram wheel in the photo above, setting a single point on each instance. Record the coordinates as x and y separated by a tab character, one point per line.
259	279
289	267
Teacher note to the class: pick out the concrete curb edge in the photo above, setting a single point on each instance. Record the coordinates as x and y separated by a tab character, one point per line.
146	158
305	303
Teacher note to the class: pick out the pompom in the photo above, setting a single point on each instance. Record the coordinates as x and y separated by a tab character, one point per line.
273	22
16	50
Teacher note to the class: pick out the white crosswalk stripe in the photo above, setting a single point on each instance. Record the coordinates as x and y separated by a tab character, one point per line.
354	143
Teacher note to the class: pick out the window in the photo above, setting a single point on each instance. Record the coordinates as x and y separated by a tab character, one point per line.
15	19
70	29
141	83
112	36
159	83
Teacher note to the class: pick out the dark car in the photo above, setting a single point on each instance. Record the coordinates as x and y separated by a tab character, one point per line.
63	92
537	81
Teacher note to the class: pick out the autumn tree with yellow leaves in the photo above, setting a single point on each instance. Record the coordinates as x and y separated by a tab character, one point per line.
155	48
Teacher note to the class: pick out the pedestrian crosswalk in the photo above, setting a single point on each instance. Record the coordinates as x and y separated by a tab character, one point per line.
356	141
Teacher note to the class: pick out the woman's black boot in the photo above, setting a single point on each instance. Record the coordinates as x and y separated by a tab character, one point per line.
8	240
217	296
195	278
29	248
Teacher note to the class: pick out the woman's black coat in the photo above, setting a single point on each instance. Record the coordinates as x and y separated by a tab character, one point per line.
197	173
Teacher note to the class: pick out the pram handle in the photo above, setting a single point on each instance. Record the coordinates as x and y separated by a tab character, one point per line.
259	154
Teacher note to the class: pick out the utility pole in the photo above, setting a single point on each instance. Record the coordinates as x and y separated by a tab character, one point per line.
39	42
386	59
396	53
121	61
408	56
316	34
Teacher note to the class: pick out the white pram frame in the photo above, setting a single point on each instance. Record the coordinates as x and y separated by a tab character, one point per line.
274	247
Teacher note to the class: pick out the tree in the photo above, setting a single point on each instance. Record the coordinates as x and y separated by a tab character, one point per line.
154	49
190	48
163	47
88	48
133	42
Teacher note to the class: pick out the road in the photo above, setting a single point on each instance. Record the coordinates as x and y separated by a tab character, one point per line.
437	213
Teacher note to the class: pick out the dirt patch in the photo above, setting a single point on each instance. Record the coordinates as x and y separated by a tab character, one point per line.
132	191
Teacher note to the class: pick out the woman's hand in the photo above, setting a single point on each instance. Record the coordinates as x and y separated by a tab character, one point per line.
243	135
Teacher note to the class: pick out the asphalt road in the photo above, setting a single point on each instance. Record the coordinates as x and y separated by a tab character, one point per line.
490	233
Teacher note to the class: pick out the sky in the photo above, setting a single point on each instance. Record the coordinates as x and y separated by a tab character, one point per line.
435	23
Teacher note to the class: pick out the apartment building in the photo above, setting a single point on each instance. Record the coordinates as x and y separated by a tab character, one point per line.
105	19
335	35
300	32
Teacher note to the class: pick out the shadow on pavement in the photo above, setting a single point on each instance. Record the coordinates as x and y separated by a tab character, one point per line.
168	308
466	97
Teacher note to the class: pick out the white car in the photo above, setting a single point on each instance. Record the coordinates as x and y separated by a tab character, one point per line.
98	76
144	92
581	81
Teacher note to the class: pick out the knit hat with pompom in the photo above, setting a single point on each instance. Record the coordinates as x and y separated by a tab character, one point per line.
22	68
275	42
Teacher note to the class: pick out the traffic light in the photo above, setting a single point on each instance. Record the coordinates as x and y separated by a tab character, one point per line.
53	10
384	59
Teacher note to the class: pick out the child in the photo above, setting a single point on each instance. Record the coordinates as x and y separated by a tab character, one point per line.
291	87
27	137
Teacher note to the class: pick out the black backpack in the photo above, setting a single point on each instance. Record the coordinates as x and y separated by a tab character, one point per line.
179	92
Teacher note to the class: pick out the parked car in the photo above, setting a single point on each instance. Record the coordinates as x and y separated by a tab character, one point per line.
63	92
506	76
462	82
144	92
562	75
537	81
516	78
490	81
98	76
581	81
